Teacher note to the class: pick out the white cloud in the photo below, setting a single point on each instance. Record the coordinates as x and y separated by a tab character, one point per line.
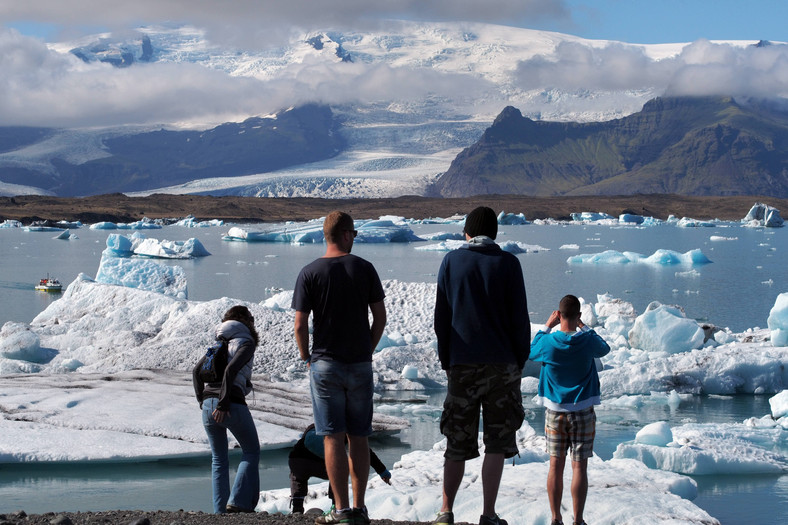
253	22
702	68
40	87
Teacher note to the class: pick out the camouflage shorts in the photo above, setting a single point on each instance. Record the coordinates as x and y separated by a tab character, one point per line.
495	389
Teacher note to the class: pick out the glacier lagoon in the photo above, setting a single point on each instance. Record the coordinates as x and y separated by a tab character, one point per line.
736	290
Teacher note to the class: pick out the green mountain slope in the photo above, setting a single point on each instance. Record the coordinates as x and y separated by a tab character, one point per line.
685	146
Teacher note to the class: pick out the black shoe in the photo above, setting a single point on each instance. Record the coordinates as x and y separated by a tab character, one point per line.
233	509
360	515
495	520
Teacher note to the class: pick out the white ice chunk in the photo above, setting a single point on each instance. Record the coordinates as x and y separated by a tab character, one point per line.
659	257
710	449
143	274
629	218
663	328
511	218
763	215
778	320
657	434
779	404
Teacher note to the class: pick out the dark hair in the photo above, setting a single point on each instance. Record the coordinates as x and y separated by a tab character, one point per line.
242	314
334	224
482	221
569	306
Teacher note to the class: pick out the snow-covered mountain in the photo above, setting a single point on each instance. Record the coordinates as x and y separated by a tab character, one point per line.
407	101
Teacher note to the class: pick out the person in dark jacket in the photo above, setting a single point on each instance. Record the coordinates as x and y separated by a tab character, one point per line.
224	408
483	332
307	460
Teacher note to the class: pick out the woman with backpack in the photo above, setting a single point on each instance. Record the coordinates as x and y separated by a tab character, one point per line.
222	396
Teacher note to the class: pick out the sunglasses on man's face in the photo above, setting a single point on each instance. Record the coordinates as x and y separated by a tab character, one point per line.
355	232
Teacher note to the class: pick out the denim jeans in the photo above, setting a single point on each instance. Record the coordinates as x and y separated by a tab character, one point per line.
246	489
341	397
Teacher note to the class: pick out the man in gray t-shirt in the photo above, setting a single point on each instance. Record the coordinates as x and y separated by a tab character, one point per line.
340	290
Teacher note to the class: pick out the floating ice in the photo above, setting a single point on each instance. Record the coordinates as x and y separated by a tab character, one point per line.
663	328
143	274
137	244
569	247
66	235
779	404
377	231
659	257
589	216
778	320
717	238
657	434
443	236
706	449
687	222
511	218
10	223
191	222
515	247
763	215
629	218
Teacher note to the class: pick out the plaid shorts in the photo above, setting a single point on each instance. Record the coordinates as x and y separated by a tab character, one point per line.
493	389
570	430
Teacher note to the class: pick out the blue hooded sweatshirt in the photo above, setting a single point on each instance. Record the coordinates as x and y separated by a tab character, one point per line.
568	380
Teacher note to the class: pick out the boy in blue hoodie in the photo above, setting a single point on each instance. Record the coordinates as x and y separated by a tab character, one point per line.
568	389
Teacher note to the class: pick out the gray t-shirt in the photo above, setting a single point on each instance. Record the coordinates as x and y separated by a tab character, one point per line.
338	292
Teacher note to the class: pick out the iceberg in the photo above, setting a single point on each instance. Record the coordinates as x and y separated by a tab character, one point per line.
687	222
143	274
630	218
66	235
137	244
10	223
659	258
510	219
191	222
778	320
708	449
589	216
779	404
763	215
373	231
663	328
515	247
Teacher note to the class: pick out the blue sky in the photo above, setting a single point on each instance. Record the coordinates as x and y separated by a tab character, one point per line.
634	21
662	21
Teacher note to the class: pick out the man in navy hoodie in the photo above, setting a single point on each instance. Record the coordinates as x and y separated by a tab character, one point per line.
483	332
568	389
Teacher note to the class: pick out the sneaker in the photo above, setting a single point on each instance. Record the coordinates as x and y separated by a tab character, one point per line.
556	522
233	509
361	515
334	517
486	520
444	518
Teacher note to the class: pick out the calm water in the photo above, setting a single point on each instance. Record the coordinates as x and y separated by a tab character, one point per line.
737	290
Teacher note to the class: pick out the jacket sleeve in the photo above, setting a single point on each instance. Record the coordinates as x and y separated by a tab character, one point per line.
520	321
241	357
199	386
601	348
538	347
442	323
376	463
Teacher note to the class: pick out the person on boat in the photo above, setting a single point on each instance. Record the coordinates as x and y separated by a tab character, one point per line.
224	408
308	460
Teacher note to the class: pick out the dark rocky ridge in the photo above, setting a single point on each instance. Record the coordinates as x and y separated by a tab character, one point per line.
120	208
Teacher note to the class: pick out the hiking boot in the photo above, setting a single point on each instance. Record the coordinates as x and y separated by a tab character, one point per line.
336	517
361	515
233	509
444	518
495	520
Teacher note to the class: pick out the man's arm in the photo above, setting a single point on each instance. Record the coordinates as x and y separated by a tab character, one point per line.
302	334
378	322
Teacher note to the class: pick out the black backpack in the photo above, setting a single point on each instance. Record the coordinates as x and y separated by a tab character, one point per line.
214	362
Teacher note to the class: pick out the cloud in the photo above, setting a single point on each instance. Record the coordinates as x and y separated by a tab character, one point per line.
40	87
701	68
255	22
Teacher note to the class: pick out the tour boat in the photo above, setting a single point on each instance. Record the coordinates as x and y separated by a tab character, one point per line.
49	285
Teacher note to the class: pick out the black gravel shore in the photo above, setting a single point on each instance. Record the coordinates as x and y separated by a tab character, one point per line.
160	517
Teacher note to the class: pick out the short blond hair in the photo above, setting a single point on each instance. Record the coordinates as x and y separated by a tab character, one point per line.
335	223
